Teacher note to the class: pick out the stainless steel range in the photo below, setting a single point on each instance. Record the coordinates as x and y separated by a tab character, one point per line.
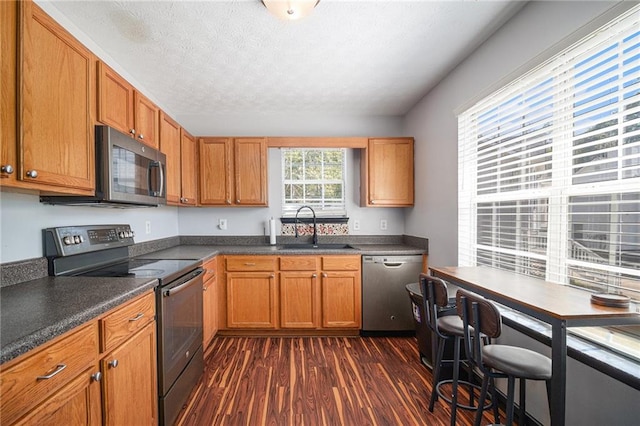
102	251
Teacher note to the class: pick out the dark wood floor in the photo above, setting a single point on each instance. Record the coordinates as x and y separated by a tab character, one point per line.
316	381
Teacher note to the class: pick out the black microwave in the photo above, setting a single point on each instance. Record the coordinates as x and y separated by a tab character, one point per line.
128	174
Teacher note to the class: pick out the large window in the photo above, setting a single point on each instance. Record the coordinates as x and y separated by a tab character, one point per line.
314	177
549	170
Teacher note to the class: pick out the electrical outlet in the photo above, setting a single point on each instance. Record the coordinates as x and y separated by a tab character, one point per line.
222	224
147	227
383	224
356	225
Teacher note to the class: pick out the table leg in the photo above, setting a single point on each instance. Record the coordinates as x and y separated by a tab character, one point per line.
559	373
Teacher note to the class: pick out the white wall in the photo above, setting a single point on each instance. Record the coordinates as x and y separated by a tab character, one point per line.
22	218
592	398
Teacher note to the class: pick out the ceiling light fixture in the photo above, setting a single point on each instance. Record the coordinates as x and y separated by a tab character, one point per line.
290	9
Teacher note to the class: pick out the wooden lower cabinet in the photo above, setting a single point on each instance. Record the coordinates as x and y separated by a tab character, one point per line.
302	293
209	303
68	380
251	300
299	299
341	300
129	381
78	403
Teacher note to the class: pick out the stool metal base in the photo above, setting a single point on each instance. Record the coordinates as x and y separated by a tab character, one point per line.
459	405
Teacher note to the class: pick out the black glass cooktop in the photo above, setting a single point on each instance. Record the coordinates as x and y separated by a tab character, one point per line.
163	270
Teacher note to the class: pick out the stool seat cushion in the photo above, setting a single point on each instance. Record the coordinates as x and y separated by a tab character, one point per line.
451	325
515	361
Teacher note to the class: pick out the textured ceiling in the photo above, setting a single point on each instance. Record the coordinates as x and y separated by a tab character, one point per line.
348	57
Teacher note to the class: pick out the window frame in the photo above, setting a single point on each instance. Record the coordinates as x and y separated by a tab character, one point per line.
322	208
482	182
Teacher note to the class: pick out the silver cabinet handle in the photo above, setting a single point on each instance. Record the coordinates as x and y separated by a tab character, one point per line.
8	169
324	274
96	377
58	369
32	174
132	131
238	201
228	201
113	364
314	275
249	264
141	136
137	317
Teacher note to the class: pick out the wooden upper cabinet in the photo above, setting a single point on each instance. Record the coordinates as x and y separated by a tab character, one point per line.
214	161
233	171
145	120
124	108
170	146
250	162
387	173
188	169
8	74
55	106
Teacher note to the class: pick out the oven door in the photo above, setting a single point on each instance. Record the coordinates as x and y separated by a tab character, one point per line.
180	326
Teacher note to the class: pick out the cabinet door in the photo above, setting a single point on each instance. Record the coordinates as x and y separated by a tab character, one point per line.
188	169
209	311
8	73
130	391
341	300
78	403
170	146
215	171
146	118
56	145
388	174
251	300
250	161
115	100
299	300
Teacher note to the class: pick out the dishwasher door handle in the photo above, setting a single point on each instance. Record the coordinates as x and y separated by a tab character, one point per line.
393	265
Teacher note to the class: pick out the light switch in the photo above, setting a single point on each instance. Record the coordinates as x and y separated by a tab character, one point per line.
222	224
383	224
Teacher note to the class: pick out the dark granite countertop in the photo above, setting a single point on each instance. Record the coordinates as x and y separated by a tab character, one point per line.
205	252
34	312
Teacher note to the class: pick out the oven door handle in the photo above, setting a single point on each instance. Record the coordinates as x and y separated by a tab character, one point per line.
181	285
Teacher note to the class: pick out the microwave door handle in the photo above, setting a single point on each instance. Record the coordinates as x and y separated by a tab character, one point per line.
161	169
161	173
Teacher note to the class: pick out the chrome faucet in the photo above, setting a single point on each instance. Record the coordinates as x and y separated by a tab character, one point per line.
315	233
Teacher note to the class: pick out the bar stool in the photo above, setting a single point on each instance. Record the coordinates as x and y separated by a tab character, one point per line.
445	328
480	316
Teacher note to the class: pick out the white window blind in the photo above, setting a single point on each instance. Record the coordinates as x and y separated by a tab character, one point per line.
549	167
314	177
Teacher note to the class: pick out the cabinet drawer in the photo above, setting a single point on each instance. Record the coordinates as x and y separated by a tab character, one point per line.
251	263
31	380
340	263
210	269
116	327
299	263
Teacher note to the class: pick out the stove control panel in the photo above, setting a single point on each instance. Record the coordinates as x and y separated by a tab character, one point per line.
70	240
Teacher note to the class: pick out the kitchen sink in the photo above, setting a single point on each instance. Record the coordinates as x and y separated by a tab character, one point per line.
314	246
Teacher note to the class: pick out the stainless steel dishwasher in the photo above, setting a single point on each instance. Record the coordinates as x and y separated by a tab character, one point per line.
386	305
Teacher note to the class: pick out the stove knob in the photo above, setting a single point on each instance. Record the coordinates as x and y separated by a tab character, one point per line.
131	234
81	238
121	234
76	239
67	240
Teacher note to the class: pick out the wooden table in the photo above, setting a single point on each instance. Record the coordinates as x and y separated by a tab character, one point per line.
560	306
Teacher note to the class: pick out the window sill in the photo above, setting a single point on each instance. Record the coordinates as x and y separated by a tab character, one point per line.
600	358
